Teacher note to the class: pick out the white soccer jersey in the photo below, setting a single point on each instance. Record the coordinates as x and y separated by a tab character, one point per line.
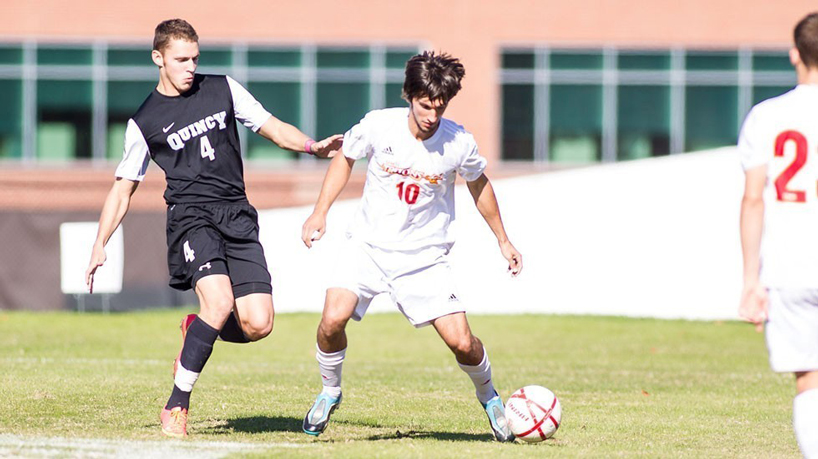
408	198
782	133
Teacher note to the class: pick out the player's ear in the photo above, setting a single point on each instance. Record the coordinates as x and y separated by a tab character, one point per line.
158	59
795	57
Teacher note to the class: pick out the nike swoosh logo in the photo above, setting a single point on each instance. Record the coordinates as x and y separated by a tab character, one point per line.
166	129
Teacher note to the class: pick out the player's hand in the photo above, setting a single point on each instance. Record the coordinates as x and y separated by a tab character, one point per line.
328	147
753	307
98	257
313	229
515	259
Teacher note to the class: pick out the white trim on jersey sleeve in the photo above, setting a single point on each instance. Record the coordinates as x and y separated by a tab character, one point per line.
357	143
248	110
751	153
135	158
472	165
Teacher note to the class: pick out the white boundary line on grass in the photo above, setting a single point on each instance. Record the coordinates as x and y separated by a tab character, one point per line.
20	446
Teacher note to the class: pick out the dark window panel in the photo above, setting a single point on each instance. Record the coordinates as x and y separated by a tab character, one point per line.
643	117
274	58
632	60
711	60
342	59
518	122
340	106
568	60
397	59
711	117
766	61
393	98
11	55
576	123
11	119
512	60
64	56
761	93
130	57
64	119
283	100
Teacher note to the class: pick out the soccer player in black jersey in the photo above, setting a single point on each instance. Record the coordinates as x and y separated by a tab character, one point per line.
187	125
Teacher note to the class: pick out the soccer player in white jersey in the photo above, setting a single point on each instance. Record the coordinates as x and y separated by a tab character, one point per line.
779	229
188	126
399	240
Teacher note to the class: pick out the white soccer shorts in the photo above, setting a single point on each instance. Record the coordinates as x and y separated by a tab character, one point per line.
792	330
420	283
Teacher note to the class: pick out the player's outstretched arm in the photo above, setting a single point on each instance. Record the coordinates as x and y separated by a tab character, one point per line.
291	138
336	179
113	211
753	306
486	202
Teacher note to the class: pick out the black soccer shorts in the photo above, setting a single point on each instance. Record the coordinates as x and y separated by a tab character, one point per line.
216	238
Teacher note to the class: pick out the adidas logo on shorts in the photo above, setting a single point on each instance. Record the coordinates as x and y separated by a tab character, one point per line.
453	297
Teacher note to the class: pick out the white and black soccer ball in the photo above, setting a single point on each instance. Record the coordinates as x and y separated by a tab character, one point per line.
533	413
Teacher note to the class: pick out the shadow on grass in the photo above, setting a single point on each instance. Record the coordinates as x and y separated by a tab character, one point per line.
256	424
447	436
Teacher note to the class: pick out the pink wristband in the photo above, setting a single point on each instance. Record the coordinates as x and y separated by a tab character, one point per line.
308	146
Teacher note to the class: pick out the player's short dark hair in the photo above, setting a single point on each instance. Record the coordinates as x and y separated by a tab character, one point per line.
173	29
806	39
436	76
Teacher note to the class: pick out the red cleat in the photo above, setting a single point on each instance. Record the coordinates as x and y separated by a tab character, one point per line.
183	326
174	422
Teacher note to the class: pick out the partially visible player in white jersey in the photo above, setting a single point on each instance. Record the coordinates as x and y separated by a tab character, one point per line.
399	240
778	146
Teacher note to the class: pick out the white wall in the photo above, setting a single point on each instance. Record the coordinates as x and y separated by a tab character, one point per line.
648	238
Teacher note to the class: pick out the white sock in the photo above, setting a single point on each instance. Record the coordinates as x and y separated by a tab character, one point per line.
185	379
805	422
331	365
480	375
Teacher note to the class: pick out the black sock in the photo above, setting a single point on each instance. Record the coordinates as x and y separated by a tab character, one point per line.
178	398
195	352
232	332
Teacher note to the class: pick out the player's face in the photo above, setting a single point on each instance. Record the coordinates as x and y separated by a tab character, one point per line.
426	114
177	65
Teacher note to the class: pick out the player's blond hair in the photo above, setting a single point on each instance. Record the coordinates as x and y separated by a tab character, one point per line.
436	76
806	39
173	29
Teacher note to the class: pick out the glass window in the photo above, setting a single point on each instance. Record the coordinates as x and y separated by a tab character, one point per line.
766	61
64	119
11	119
711	60
397	59
576	60
64	56
518	60
11	55
635	60
340	106
215	57
342	59
130	57
643	117
393	92
124	98
274	58
766	92
518	122
710	117
576	123
283	100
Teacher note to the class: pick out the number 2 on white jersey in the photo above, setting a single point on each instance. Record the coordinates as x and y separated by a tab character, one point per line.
207	149
782	192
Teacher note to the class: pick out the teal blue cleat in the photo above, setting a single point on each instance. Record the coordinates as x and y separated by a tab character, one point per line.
317	418
497	419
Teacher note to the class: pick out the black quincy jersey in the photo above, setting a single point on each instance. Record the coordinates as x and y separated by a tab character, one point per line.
193	138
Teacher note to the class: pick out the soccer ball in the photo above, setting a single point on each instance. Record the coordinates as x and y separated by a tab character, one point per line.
533	413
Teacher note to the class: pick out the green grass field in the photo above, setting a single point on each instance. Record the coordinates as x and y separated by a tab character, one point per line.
628	387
